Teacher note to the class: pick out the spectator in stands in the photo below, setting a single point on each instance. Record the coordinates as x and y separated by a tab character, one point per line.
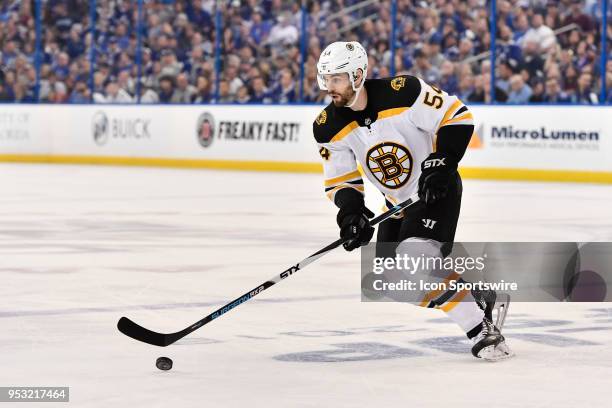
114	94
466	86
448	79
482	90
537	88
500	94
231	76
532	60
169	65
260	92
428	28
203	90
553	92
286	92
147	93
125	82
5	95
80	93
584	93
59	91
570	79
423	69
477	93
506	69
577	16
540	34
433	51
261	39
283	33
61	67
312	93
466	49
505	13
520	92
184	92
166	88
521	27
506	44
75	46
552	16
242	96
259	28
224	92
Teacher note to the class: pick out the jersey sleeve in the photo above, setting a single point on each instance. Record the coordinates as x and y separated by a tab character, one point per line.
339	169
434	109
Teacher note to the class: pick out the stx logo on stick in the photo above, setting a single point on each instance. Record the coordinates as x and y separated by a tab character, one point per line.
290	271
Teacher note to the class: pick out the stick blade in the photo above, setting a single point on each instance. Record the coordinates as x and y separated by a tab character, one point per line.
137	332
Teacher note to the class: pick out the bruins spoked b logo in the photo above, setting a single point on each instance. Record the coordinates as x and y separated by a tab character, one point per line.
390	163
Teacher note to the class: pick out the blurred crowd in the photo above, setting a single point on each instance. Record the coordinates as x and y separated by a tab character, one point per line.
546	50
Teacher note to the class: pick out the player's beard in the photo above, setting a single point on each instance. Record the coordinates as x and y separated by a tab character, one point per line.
345	98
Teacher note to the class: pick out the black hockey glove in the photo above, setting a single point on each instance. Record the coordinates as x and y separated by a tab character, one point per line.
355	228
437	172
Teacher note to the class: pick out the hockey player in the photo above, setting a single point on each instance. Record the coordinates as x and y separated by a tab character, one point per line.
408	137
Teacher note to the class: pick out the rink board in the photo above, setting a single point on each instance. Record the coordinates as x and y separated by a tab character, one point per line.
510	142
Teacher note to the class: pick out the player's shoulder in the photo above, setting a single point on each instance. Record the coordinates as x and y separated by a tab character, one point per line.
328	123
395	92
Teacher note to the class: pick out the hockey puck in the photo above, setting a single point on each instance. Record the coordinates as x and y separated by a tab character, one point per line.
163	363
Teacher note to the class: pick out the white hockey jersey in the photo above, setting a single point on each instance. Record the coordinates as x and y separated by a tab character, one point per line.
389	138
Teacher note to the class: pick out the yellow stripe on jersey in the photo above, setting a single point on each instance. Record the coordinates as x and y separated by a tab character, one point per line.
429	296
454	107
465	117
344	132
455	301
449	114
340	179
387	113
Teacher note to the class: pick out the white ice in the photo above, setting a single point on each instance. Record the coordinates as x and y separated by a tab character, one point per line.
81	246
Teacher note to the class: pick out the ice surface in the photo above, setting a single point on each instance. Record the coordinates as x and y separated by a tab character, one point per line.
82	246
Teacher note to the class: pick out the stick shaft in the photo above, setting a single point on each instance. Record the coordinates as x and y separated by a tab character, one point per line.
137	332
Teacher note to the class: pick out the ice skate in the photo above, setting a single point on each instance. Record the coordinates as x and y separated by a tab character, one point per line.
489	344
490	301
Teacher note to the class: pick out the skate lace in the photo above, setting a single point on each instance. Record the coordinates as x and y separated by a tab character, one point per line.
487	326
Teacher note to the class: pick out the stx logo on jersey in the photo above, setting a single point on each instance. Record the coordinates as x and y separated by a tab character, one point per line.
390	163
434	163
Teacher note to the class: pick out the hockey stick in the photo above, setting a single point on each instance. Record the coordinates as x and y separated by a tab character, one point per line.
137	332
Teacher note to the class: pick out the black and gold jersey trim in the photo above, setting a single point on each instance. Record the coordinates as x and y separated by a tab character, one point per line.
329	125
386	97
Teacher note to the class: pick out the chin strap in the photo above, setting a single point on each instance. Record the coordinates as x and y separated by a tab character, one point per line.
358	91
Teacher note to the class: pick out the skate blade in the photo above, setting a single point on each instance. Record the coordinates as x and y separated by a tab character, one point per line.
496	353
